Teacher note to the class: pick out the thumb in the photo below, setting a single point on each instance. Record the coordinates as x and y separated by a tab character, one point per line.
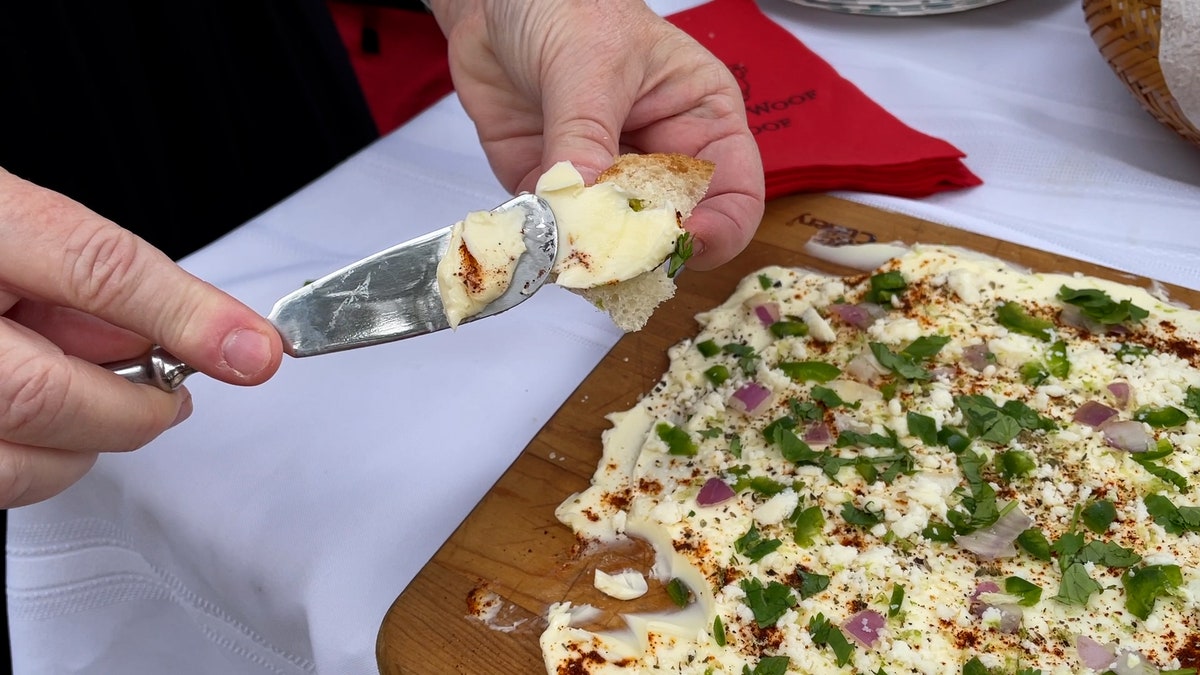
58	251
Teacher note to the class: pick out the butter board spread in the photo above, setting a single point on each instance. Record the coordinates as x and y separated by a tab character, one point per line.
947	465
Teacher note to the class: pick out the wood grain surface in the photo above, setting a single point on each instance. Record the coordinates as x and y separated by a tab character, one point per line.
512	549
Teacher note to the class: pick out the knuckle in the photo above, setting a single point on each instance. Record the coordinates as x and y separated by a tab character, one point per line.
101	265
33	395
15	478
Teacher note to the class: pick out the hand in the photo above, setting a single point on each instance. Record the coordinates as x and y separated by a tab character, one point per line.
76	290
583	81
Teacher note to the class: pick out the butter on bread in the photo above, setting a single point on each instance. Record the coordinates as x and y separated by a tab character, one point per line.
657	180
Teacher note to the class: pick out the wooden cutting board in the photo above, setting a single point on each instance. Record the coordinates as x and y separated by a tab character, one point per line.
511	549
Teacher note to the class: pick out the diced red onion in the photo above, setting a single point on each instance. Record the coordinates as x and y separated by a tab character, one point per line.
1127	435
818	433
1093	414
863	368
859	316
865	626
763	307
1010	613
996	541
1121	393
1074	317
1132	663
977	355
751	398
767	313
943	373
1094	655
714	491
845	422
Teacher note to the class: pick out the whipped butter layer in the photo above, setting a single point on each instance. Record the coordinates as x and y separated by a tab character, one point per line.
946	466
480	262
605	236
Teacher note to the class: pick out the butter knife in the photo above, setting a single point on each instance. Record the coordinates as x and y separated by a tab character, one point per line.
388	296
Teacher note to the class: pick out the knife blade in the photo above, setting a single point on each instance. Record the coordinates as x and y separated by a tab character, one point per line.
388	296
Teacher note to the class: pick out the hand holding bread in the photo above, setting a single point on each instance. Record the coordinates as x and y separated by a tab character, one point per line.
586	82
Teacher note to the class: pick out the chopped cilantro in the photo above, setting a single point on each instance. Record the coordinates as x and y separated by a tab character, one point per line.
805	411
811	583
850	438
907	362
1148	460
1173	519
678	592
1028	593
1034	373
719	632
975	667
765	282
861	517
999	424
769	665
896	601
1130	351
677	439
769	602
977	507
1015	463
747	358
810	371
925	347
1033	541
807	523
825	634
923	427
940	532
1098	515
1013	316
1098	306
829	398
1145	585
753	546
954	439
1191	400
1107	553
1077	586
681	254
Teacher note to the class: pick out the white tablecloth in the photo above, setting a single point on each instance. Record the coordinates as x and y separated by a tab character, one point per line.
270	533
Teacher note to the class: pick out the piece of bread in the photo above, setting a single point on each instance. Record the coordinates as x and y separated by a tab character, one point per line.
657	179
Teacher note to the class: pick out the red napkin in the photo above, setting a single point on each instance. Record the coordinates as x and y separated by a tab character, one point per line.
817	131
399	57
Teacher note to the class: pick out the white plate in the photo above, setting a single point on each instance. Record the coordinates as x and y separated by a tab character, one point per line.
896	7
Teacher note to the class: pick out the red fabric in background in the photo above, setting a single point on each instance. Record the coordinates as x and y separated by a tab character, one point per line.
817	131
409	73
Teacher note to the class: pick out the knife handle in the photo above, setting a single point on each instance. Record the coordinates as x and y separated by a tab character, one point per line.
157	368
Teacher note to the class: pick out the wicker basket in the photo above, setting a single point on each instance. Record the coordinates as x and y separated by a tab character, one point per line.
1127	33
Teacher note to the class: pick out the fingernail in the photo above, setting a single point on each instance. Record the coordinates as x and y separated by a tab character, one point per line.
246	352
185	408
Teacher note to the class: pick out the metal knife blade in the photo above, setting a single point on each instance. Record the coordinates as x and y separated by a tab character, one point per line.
388	296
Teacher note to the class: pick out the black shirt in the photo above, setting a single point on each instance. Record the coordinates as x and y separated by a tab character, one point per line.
178	119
